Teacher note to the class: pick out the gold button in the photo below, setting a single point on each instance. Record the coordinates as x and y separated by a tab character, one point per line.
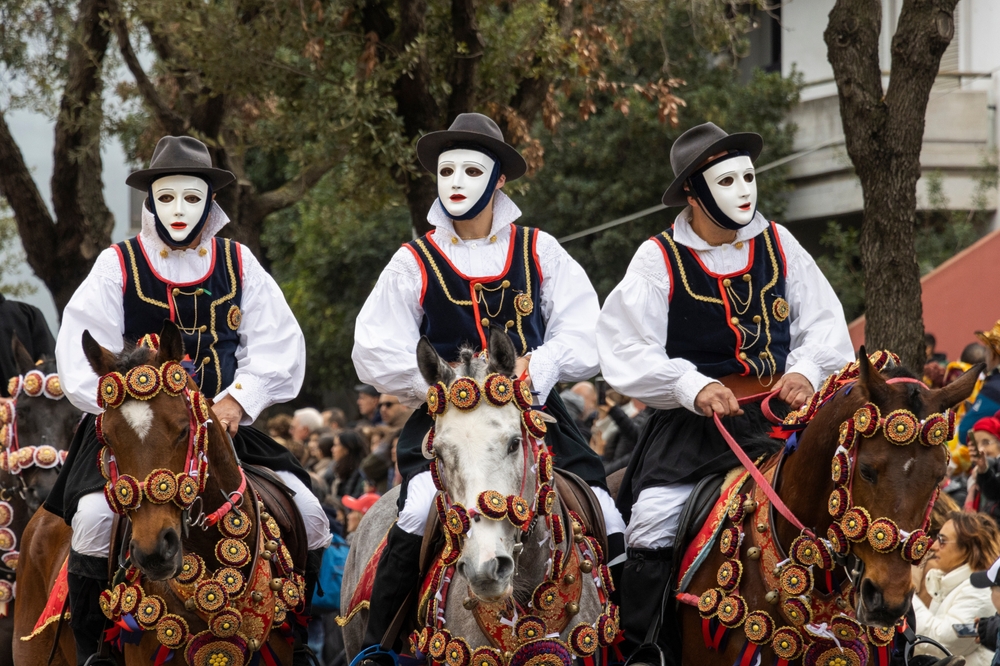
505	284
202	252
203	328
175	291
746	278
493	239
485	321
734	320
199	291
206	360
726	282
163	253
738	245
756	319
509	324
454	240
479	287
743	356
238	386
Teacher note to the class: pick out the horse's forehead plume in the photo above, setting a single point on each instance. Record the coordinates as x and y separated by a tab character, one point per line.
133	357
471	364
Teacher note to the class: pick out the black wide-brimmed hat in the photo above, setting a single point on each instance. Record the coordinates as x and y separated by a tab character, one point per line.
180	155
698	144
471	128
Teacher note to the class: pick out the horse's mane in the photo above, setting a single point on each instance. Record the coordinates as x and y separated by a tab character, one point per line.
131	357
471	364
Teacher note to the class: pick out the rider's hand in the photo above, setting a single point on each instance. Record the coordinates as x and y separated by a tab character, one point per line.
521	368
794	389
229	413
717	399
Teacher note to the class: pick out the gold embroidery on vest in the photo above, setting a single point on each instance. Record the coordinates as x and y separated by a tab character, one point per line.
135	279
684	280
437	272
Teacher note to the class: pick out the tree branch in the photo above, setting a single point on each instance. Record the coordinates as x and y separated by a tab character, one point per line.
292	192
468	51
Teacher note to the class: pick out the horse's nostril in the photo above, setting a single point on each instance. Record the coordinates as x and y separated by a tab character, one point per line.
505	567
169	543
871	594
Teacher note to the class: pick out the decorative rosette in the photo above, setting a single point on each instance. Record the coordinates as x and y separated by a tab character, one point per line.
607	582
108	601
438	643
729	574
149	611
129	599
803	550
549	652
732	610
499	389
486	656
149	341
421	638
205	650
824	557
915	546
210	596
142	382
6	514
270	527
234	317
558	563
583	640
883	535
797	611
534	423
235	524
846	629
855	523
161	486
231	580
52	388
285	558
901	427
518	511
523	304
111	390
452	551
34	382
729	541
735	509
952	422
456	520
546	596
128	493
780	309
457	652
192	568
464	394
866	419
172	631
840	468
830	654
759	627
838	540
4	463
546	500
848	434
492	504
881	635
529	628
199	407
232	552
708	603
557	531
7	412
934	431
187	490
522	395
291	596
795	579
607	626
436	475
13	388
840	500
174	376
787	643
45	456
6	591
225	623
437	399
545	466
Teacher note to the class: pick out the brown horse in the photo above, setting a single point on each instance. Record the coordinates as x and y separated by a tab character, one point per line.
889	470
207	573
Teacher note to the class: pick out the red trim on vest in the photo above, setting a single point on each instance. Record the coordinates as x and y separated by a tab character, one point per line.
506	268
534	254
164	280
121	263
239	260
666	262
423	272
781	250
726	275
732	327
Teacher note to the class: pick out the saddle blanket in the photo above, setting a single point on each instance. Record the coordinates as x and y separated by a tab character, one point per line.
55	604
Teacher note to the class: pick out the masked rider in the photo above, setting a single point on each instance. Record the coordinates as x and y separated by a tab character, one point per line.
721	306
245	347
475	270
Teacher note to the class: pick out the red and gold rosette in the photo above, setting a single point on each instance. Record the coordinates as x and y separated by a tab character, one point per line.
557	531
522	395
231	580
583	640
732	611
545	466
901	427
838	540
709	602
499	389
142	382
34	383
492	504
758	627
130	598
235	524
848	435
795	579
161	486
787	643
127	492
546	500
824	558
546	596
438	643
225	623
840	468
232	552
199	407
111	390
607	626
729	574
883	535
108	601
934	431
421	638
735	510
234	317
518	511
149	611
915	546
53	387
881	636
187	490
840	500
796	611
729	541
866	419
172	631
6	514
464	394
14	387
803	550
192	568
534	423
45	456
174	376
437	399
456	519
486	656
846	629
210	596
291	596
529	628
855	523
457	652
149	341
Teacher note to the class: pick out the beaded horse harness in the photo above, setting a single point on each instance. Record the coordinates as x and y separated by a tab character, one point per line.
517	634
13	457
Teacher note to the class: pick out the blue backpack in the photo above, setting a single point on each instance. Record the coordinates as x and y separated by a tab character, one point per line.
326	597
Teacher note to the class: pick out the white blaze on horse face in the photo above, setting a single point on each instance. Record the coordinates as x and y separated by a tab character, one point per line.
462	178
180	202
139	415
734	187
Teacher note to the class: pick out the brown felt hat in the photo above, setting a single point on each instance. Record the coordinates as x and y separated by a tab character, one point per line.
175	155
471	128
698	144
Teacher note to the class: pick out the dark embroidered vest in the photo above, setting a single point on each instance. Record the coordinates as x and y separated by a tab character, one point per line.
729	324
206	311
458	309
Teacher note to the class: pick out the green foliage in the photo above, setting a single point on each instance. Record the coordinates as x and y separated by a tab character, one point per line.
11	256
842	267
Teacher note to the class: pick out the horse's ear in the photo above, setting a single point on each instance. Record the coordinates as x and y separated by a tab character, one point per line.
947	397
870	379
101	360
171	343
21	355
503	356
432	367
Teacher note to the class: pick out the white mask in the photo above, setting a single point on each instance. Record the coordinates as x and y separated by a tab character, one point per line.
462	178
180	202
734	188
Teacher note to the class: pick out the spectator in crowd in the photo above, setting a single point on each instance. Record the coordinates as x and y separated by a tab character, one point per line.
334	418
348	451
988	400
394	414
380	439
576	408
321	448
312	446
945	595
279	427
984	480
357	507
28	324
988	628
375	470
368	397
934	366
630	416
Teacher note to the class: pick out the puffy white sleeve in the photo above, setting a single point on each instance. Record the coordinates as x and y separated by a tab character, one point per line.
632	337
96	306
570	307
820	343
271	357
387	331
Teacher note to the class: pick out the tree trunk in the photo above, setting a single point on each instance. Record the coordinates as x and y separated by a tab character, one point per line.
884	134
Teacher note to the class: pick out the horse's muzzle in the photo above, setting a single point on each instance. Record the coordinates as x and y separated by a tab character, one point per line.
490	581
874	610
164	561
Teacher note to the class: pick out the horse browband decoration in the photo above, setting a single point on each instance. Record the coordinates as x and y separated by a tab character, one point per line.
13	457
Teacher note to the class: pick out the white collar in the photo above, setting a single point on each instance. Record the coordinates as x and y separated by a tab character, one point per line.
941	584
685	235
151	240
505	212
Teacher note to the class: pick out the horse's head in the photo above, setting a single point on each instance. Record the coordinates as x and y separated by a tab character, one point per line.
480	453
43	419
890	461
150	426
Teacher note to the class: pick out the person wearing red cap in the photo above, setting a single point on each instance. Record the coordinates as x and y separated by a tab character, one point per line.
357	507
984	450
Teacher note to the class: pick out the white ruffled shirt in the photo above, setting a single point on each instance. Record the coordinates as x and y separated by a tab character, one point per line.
271	353
632	328
388	328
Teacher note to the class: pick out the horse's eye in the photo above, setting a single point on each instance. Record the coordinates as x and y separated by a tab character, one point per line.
513	445
184	435
868	473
